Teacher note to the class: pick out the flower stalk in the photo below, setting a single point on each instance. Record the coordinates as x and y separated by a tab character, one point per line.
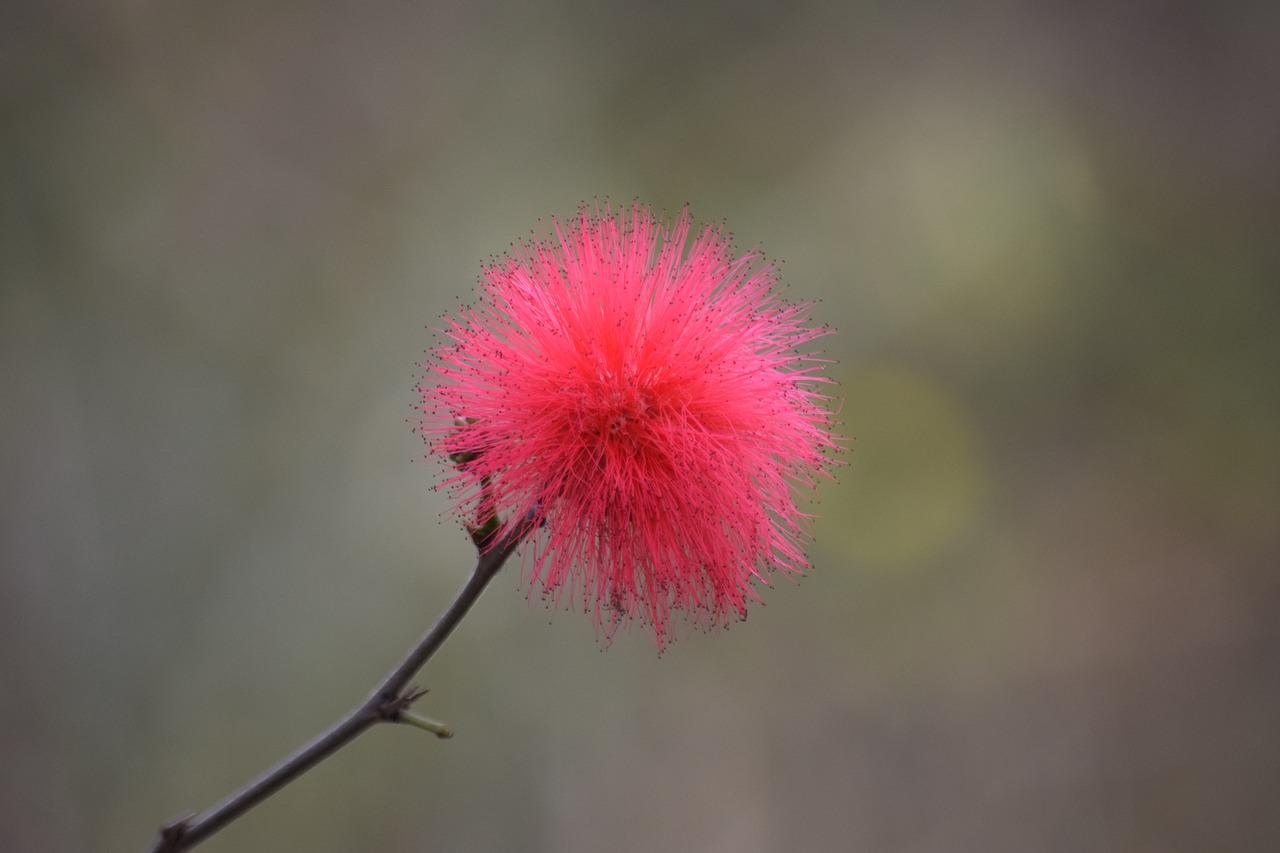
389	702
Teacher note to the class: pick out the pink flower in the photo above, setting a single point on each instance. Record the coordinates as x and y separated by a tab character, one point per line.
647	405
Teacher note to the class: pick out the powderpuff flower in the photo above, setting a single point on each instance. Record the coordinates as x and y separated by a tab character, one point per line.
647	406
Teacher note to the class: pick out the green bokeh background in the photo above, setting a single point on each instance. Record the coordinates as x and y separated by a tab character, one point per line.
1041	614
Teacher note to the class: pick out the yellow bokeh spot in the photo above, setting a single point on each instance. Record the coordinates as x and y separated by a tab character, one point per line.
915	481
993	182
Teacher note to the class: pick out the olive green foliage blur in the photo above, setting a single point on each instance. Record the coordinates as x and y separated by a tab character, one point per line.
1041	610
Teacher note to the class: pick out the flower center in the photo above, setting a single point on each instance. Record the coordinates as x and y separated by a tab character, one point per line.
616	412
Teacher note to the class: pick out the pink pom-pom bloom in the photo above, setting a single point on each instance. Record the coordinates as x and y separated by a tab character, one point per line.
647	406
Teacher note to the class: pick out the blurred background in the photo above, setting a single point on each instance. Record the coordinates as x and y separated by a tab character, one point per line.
1041	614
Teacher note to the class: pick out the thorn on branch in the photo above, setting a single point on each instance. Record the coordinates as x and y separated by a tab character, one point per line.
391	709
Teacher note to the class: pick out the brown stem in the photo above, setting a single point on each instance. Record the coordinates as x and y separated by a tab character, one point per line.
384	705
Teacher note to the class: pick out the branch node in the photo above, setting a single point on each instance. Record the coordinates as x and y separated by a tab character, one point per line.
392	708
396	710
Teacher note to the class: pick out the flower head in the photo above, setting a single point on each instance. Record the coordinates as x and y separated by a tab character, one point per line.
647	405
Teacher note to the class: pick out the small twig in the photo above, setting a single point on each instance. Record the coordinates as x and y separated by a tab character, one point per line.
437	728
389	702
